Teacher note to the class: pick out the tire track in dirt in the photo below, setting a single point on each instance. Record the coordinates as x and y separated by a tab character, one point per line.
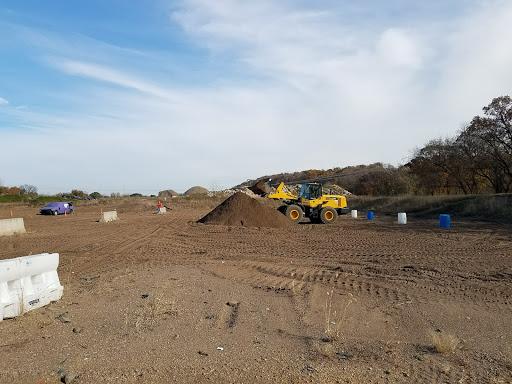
296	280
378	279
387	288
121	252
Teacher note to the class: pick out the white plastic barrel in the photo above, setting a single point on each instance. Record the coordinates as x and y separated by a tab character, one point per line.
402	218
354	213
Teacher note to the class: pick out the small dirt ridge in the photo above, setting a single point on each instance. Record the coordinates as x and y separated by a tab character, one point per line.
243	210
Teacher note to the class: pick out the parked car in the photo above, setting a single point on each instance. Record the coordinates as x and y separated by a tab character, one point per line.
58	208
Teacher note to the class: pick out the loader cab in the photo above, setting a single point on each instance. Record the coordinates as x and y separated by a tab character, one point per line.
311	191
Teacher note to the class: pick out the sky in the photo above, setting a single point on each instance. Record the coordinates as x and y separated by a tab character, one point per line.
142	96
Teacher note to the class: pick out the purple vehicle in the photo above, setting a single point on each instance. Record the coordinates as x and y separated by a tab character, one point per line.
57	208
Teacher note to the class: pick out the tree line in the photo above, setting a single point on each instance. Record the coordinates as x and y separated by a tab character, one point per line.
24	189
478	159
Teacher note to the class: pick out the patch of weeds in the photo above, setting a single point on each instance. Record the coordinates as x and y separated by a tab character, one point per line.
444	342
335	314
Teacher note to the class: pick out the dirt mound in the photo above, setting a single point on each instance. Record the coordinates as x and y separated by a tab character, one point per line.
168	193
196	191
240	209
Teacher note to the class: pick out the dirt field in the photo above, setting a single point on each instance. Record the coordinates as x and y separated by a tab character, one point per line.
161	298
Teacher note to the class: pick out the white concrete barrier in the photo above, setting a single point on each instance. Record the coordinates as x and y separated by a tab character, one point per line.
108	216
12	226
27	283
163	210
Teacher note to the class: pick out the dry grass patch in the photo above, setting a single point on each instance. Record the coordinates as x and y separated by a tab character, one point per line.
444	342
335	313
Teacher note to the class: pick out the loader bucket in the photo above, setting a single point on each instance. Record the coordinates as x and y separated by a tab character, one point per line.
260	188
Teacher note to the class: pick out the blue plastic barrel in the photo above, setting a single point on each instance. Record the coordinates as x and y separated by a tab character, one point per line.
444	221
369	215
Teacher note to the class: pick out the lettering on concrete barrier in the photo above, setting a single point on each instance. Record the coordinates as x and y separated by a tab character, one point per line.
12	226
27	283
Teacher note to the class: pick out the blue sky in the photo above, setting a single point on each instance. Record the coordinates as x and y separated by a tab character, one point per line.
116	96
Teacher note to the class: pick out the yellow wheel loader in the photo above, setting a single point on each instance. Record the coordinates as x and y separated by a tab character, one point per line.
311	203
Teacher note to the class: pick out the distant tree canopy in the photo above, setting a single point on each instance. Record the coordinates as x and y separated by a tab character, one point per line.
95	195
25	189
479	159
78	193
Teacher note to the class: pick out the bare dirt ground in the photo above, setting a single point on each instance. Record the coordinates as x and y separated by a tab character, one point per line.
161	298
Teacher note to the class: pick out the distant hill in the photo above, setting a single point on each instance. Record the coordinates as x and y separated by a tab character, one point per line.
197	190
377	178
168	193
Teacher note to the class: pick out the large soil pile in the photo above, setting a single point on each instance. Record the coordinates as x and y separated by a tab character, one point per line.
168	193
240	209
196	191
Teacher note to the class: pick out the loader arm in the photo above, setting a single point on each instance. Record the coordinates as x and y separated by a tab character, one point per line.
282	193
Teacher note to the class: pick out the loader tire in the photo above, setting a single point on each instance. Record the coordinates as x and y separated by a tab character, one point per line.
294	213
328	215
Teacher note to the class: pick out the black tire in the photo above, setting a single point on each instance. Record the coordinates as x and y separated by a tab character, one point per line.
328	215
282	209
294	213
55	213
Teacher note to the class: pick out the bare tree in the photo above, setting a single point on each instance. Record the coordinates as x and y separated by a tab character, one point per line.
478	159
491	139
440	167
27	189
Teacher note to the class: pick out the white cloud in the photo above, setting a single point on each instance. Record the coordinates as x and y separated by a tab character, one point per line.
3	101
476	61
399	48
109	75
268	36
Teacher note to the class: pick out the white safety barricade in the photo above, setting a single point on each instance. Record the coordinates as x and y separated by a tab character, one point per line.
12	226
108	216
27	283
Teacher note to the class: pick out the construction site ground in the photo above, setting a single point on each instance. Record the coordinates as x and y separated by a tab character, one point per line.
161	298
